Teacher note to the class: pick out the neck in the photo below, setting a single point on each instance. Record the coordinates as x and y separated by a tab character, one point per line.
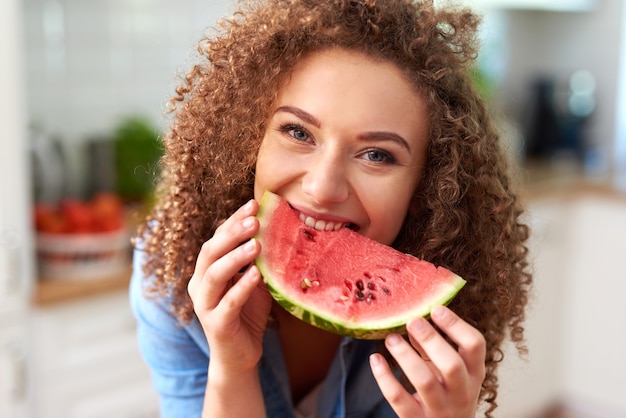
308	352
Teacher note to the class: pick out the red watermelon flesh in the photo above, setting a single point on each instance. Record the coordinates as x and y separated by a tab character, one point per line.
342	281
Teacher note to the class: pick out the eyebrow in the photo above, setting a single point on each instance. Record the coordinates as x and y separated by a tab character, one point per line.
385	136
305	116
366	136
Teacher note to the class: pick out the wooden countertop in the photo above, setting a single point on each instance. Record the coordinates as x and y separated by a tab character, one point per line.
52	291
542	180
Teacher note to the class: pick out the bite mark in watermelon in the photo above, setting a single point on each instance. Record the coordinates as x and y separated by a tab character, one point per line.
342	281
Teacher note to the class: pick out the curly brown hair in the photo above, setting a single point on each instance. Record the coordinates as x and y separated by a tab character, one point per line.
469	215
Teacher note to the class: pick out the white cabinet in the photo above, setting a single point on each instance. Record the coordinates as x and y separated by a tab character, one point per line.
530	385
13	373
13	345
594	291
86	363
15	259
576	315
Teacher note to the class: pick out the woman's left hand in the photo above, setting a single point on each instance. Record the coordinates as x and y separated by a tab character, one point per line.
447	380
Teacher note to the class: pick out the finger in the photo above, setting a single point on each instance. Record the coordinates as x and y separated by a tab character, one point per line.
216	278
402	402
446	362
420	350
470	342
427	383
239	227
236	297
248	209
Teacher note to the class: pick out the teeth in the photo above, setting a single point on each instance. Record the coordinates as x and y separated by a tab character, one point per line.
319	224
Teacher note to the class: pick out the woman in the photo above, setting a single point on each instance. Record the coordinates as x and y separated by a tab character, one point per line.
361	114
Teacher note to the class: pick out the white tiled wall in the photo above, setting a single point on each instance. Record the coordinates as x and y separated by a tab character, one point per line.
90	62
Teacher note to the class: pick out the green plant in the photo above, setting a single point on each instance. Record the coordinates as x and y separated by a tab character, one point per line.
137	152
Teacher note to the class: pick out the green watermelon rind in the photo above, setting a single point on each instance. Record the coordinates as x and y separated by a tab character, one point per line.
379	331
325	320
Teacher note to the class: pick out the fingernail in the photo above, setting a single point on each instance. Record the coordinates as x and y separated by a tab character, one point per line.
438	312
417	324
375	359
250	273
247	223
249	246
393	339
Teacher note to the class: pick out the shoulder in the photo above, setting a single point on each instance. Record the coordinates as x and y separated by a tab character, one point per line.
176	353
157	325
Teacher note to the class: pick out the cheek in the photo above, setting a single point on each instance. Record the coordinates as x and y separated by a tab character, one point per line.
272	169
393	229
389	208
386	220
259	173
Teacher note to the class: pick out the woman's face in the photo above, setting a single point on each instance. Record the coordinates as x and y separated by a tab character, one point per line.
345	144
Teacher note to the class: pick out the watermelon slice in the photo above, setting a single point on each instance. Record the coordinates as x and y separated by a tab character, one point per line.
342	281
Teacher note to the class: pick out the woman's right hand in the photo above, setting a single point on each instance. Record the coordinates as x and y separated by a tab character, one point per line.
233	308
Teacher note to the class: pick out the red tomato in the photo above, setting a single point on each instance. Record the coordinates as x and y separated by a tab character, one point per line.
53	222
109	224
107	204
80	215
109	211
41	212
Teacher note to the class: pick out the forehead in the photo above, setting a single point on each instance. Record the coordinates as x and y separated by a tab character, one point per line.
332	61
371	93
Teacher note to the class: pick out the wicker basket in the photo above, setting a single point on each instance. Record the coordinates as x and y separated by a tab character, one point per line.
83	256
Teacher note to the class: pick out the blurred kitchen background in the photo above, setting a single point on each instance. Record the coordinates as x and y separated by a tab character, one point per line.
85	85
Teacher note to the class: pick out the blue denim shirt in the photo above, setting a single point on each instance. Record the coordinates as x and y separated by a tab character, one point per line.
178	356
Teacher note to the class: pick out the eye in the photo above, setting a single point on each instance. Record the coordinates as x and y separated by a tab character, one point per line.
379	156
297	132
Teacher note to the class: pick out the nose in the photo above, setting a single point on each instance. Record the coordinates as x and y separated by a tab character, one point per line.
325	180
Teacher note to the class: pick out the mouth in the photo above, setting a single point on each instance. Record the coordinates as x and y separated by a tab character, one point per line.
323	225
